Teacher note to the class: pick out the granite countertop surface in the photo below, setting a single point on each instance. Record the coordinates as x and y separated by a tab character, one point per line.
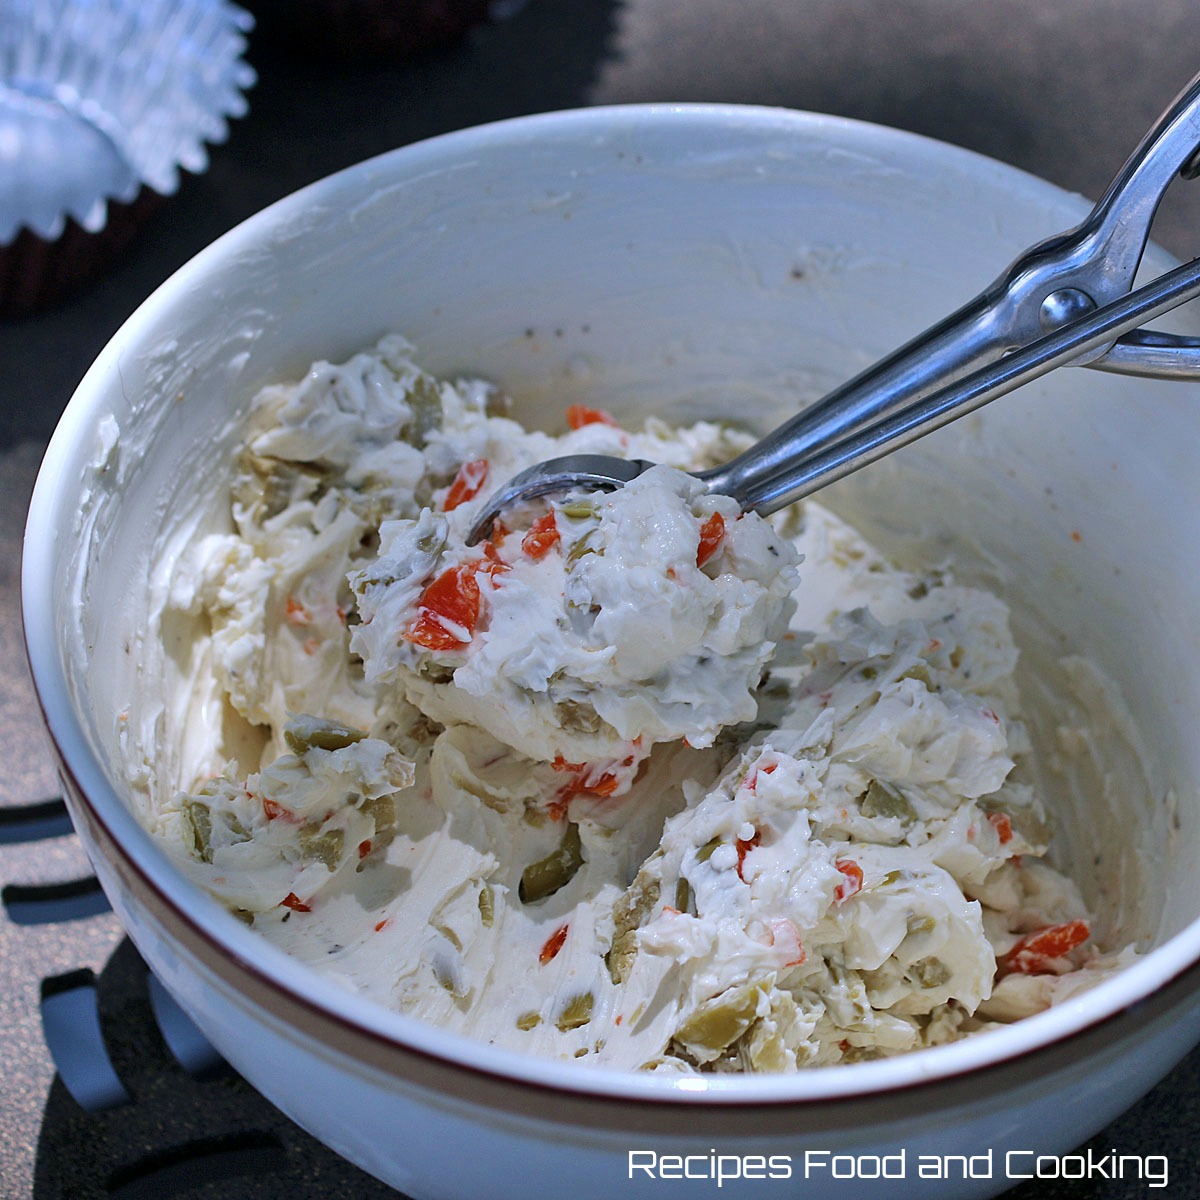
1063	90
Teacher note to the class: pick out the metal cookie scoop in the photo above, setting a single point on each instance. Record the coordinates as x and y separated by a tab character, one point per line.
1065	301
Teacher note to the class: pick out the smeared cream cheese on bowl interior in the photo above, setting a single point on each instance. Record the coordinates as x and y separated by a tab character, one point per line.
640	781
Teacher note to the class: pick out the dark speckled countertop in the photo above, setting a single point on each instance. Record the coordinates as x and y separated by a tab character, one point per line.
1061	89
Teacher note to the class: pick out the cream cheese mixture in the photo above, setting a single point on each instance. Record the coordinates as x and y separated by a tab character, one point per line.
641	780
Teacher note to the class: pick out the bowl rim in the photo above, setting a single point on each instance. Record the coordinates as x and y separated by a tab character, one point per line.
1173	961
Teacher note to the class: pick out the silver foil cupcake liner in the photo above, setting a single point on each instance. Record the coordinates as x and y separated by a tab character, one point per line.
102	104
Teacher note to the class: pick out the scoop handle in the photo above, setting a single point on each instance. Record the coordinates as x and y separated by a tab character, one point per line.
931	412
1052	284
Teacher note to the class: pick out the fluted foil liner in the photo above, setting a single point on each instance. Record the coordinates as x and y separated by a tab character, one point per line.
102	98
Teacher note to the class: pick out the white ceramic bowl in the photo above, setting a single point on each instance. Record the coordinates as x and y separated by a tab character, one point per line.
690	261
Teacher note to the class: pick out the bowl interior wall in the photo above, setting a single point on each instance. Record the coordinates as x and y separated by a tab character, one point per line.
703	265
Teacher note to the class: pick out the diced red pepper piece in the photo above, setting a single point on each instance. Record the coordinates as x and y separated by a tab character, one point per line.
467	483
579	415
1002	825
292	901
786	937
491	563
752	779
1034	953
853	882
553	944
364	848
606	785
542	537
712	533
744	846
448	610
579	784
296	612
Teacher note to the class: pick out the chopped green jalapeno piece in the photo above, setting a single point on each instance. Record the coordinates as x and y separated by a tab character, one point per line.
929	973
883	800
200	820
487	906
620	956
717	1023
325	847
425	403
652	1064
579	717
315	734
576	1012
546	876
581	547
630	910
578	510
763	1046
382	809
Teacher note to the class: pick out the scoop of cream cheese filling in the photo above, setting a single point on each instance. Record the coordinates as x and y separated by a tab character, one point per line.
617	785
597	627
